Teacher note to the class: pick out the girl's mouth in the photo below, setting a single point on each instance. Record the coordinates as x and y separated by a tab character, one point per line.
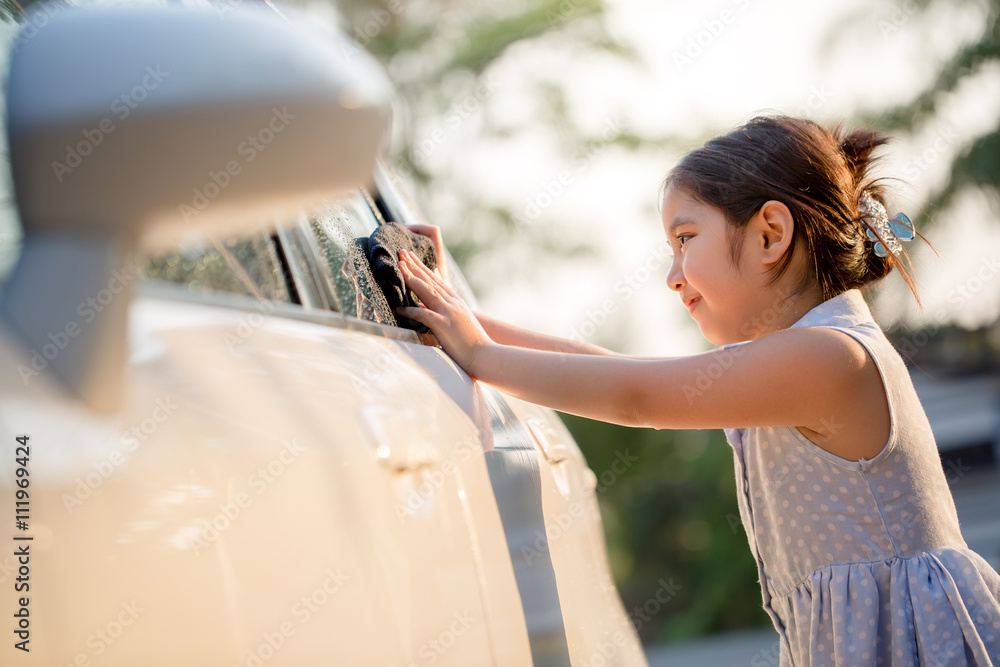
693	303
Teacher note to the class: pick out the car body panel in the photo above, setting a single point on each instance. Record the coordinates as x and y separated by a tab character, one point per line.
244	477
597	627
280	479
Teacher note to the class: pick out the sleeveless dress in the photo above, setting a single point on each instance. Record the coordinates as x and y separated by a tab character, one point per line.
862	562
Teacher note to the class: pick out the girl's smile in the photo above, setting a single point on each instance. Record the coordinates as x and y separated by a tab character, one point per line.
702	272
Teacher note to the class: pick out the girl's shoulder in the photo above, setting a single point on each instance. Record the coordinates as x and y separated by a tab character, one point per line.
844	395
820	356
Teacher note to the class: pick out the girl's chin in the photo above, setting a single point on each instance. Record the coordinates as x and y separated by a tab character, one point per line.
714	332
717	337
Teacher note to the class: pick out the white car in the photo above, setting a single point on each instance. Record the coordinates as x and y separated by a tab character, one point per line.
218	448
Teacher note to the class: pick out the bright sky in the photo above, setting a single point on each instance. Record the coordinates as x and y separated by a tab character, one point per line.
708	67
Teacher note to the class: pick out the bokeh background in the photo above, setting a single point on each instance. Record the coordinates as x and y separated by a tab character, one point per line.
536	133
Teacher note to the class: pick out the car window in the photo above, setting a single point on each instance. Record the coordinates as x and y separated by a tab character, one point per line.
244	266
325	265
335	228
398	205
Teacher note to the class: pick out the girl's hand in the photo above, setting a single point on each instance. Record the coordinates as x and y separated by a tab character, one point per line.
434	234
444	312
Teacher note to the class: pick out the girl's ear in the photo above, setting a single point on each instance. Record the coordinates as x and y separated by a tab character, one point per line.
774	226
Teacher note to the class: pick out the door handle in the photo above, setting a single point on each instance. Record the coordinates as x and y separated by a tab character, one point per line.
554	452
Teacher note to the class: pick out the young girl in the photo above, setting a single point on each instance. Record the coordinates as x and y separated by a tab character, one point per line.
840	487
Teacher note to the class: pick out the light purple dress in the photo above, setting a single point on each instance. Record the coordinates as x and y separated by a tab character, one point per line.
862	562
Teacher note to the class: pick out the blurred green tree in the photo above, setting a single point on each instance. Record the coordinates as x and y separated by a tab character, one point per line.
978	163
443	57
673	516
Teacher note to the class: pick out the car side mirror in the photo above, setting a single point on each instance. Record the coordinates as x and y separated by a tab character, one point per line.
139	125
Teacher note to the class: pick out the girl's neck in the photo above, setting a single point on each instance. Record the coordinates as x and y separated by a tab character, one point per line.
789	305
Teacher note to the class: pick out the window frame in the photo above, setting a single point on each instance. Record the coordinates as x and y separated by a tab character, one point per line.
311	296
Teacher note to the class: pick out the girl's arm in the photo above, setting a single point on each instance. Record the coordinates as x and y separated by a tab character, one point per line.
801	377
770	382
502	332
508	334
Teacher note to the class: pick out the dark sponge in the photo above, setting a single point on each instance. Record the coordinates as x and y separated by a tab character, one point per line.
382	251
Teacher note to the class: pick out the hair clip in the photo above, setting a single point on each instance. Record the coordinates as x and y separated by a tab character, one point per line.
880	229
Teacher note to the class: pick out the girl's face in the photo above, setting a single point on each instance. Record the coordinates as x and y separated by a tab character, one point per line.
720	297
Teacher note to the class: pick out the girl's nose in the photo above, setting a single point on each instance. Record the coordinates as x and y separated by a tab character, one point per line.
675	277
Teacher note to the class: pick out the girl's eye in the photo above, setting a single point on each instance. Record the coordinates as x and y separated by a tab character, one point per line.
682	239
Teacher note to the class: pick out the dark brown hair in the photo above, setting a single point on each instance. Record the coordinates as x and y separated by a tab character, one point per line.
818	173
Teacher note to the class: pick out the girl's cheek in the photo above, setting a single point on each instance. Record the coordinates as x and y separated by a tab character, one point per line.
689	267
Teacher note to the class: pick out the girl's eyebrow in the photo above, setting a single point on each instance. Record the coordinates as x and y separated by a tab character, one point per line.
677	222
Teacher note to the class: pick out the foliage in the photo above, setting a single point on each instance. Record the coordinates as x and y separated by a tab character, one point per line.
437	53
978	164
673	516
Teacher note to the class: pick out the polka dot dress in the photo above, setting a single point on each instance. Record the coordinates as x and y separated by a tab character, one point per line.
862	562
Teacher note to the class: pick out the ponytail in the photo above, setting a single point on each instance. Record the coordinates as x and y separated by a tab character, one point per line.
857	148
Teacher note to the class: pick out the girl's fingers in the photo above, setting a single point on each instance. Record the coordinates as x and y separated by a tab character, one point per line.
417	268
423	287
409	263
434	234
428	318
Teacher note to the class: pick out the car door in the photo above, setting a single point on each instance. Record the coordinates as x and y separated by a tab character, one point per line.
286	486
546	495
